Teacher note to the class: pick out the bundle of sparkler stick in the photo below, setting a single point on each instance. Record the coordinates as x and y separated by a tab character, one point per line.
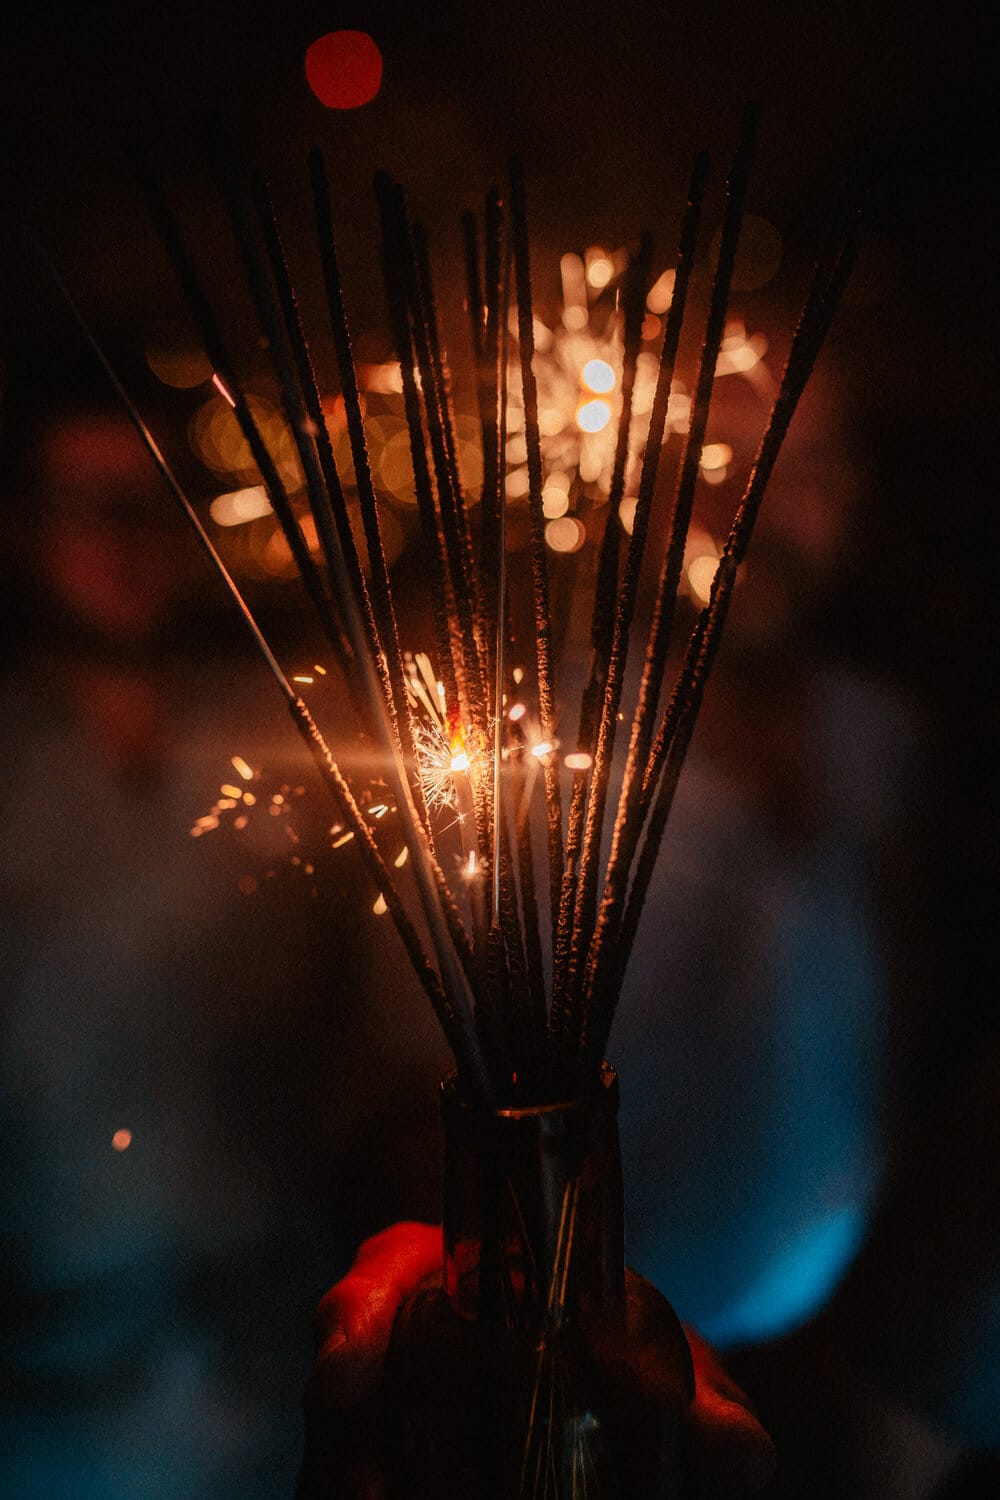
526	1008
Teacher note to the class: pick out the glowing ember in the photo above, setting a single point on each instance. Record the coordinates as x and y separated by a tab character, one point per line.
121	1140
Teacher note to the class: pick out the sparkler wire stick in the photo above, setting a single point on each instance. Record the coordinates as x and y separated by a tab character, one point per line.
387	194
494	437
616	930
626	830
457	1034
451	505
453	976
327	500
539	561
602	632
382	619
633	561
442	385
381	591
207	325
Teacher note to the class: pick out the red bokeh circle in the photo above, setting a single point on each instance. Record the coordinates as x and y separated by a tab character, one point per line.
344	69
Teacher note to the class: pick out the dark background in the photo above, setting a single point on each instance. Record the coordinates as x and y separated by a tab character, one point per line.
606	105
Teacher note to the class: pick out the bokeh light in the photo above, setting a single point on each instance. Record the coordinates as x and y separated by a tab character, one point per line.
176	357
565	534
598	376
344	69
593	416
240	506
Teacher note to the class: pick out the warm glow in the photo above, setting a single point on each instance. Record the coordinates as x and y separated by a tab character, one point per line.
626	512
661	293
578	761
516	711
599	271
121	1140
517	484
598	376
565	535
460	762
231	791
700	573
593	416
381	906
401	857
343	839
241	768
240	506
176	358
555	503
716	456
545	748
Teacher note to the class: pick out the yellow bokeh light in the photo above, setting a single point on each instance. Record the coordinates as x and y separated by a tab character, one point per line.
517	484
593	416
700	573
551	421
555	503
578	761
716	456
598	376
661	293
176	357
599	272
626	512
565	534
240	506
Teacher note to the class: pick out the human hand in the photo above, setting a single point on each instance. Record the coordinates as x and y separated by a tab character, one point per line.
718	1444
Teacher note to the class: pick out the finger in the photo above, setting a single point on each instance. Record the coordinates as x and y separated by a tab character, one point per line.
728	1452
354	1319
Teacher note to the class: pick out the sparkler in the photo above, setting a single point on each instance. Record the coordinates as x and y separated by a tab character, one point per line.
448	739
